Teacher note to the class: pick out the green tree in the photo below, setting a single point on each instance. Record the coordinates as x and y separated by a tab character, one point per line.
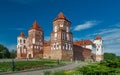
13	53
111	57
4	52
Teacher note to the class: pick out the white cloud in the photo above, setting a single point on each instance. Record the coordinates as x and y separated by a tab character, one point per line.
106	31
86	25
118	25
111	40
47	38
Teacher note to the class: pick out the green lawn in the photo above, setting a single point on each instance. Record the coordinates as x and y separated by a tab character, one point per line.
28	65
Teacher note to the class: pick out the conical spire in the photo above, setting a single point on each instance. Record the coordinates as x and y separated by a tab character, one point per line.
97	37
22	35
61	16
36	26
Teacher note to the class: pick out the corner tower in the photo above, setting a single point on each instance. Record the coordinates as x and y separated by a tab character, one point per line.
35	41
21	46
61	39
99	48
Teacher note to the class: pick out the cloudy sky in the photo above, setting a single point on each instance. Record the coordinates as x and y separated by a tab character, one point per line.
88	19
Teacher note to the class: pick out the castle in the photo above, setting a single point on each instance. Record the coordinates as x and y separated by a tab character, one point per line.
60	46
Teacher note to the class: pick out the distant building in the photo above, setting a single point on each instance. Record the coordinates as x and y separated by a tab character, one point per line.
94	50
98	52
60	46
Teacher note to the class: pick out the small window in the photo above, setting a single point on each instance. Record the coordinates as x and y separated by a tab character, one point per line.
54	46
20	41
24	41
24	46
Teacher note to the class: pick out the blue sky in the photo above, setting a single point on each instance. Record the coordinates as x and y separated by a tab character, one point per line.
88	18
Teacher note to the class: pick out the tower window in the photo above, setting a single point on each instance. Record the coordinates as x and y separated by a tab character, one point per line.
67	29
54	46
69	46
63	36
24	41
33	40
24	46
63	46
55	36
20	41
37	47
66	46
57	46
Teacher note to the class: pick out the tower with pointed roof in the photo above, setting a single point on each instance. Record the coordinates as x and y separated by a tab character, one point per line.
21	46
35	41
99	48
61	39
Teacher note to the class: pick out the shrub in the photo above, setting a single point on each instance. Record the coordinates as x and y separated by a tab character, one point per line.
47	72
59	73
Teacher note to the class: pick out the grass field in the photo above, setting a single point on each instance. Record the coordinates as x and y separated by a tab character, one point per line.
28	65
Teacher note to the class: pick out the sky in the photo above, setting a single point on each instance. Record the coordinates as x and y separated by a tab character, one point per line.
88	19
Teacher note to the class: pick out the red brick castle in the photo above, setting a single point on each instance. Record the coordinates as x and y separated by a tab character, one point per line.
60	46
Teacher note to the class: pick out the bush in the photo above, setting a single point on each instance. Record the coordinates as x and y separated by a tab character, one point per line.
59	73
47	72
96	70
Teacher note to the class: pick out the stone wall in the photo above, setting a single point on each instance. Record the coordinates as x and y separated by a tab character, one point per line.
46	52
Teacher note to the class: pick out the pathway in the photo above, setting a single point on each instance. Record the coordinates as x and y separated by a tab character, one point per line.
40	72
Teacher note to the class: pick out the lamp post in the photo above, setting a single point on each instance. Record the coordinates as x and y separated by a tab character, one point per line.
4	51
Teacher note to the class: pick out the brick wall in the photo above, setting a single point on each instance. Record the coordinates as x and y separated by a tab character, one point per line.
80	53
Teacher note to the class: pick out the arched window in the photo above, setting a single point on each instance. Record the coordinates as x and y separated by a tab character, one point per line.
55	36
68	37
20	41
63	36
69	46
55	28
24	41
66	46
67	29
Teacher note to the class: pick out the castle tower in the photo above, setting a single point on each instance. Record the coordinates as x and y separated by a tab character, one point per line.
35	41
99	48
61	39
21	46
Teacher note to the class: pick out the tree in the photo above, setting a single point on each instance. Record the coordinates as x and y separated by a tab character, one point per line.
13	53
111	57
4	52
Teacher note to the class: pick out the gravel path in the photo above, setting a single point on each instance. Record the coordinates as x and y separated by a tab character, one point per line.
40	72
